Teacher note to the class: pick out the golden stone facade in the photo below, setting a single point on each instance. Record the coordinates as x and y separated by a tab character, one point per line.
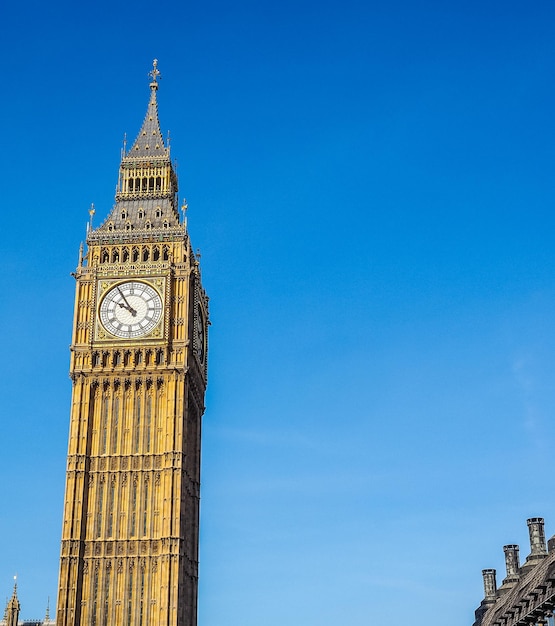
130	534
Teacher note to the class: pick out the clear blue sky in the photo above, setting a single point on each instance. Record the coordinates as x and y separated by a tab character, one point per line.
372	186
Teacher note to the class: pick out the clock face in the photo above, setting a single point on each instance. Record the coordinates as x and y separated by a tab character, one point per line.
130	310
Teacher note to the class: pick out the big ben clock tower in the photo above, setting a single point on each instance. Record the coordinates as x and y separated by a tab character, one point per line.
129	554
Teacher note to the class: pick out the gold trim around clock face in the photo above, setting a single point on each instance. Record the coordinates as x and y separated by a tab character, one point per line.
130	309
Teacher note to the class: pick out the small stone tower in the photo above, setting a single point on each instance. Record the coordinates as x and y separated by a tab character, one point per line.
12	609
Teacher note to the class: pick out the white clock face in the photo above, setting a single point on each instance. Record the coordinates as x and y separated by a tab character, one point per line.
130	310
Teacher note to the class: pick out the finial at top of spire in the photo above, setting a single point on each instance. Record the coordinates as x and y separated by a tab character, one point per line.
154	74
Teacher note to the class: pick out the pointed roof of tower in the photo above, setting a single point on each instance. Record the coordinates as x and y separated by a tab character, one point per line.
14	600
149	142
146	194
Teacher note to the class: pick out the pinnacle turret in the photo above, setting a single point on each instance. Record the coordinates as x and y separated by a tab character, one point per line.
13	607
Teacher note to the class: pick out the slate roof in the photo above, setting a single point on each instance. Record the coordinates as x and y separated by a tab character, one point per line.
155	208
149	142
532	596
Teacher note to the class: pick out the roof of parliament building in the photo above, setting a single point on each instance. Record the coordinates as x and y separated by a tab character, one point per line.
526	595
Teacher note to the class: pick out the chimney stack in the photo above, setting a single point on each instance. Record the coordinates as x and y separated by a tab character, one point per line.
490	585
537	538
512	563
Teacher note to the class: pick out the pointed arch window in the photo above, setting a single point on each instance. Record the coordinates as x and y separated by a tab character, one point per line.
125	255
156	253
145	505
104	430
99	507
137	424
115	425
134	508
110	520
135	255
141	213
130	592
166	253
94	595
142	597
107	584
148	421
146	254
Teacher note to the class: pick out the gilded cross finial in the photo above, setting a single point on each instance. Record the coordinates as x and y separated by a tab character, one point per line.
184	207
91	214
154	72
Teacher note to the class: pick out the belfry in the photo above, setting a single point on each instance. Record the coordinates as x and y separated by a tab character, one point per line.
130	536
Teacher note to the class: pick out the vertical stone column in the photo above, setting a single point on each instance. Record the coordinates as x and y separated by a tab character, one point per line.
490	585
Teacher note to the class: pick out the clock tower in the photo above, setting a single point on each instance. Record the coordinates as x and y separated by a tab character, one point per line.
129	554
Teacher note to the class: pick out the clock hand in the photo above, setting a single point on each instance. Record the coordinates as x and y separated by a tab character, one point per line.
126	305
124	298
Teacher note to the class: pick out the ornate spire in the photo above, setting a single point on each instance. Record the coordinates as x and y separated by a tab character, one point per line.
13	608
149	142
146	194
